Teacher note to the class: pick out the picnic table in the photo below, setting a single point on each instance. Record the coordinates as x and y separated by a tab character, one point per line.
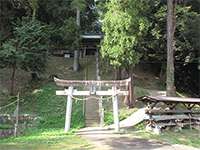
171	111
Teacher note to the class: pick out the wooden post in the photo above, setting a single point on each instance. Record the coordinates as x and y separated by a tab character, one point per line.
68	109
17	116
101	112
115	109
98	77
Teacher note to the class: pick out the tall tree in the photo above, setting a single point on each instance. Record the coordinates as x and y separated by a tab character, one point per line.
70	33
77	5
123	27
26	50
171	26
186	35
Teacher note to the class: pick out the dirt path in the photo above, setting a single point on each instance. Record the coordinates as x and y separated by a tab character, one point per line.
104	139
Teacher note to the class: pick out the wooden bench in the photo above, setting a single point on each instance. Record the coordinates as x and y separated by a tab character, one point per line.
171	111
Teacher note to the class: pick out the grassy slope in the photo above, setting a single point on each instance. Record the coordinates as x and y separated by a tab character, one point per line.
51	108
47	132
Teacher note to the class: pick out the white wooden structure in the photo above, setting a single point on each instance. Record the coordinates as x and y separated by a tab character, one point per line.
115	91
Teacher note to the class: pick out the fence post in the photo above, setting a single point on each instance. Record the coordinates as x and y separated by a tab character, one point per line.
68	109
17	117
115	109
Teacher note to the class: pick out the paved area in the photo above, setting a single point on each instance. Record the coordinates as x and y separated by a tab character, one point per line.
105	139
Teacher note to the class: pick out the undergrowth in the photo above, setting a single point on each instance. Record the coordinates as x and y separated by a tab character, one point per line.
50	108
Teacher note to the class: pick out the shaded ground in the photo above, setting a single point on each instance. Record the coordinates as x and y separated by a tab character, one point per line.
105	139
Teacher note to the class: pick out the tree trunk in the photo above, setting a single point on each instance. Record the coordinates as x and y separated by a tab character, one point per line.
118	71
12	85
100	102
131	89
78	21
34	14
170	47
130	99
76	65
98	77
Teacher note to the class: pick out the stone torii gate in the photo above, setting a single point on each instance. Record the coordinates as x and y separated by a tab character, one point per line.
114	90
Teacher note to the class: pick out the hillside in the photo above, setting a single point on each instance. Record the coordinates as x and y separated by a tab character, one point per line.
39	100
39	97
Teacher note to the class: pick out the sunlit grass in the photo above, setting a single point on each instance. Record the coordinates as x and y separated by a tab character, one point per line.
188	137
53	139
47	131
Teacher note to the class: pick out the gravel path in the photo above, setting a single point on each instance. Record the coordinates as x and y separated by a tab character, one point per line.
104	139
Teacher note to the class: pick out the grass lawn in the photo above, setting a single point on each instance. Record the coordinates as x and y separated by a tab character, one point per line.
47	131
51	139
190	137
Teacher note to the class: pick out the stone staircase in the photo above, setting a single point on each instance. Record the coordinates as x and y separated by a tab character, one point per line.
91	113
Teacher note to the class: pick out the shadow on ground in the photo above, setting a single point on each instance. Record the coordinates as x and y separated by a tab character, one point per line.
105	139
126	143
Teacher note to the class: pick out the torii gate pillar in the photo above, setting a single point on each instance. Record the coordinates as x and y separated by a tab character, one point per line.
68	109
115	109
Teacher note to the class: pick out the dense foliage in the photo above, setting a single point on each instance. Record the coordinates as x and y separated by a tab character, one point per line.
70	29
151	44
27	49
186	51
123	26
48	25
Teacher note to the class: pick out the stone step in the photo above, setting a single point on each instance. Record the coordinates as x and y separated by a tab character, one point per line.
94	119
91	124
90	118
93	116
